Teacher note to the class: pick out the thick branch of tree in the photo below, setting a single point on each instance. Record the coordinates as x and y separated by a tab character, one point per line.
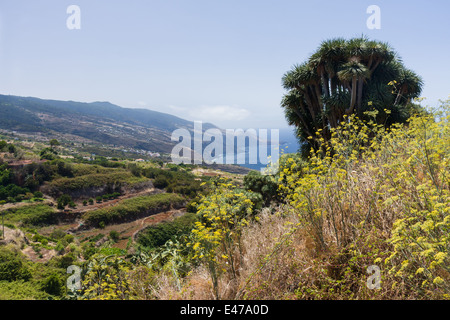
376	65
369	64
353	100
303	121
325	84
309	102
360	93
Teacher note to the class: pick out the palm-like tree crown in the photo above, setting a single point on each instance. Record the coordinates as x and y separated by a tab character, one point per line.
342	77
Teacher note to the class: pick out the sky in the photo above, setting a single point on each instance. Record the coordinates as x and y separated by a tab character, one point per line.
218	61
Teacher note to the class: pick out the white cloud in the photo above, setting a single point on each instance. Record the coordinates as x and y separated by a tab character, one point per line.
219	113
177	109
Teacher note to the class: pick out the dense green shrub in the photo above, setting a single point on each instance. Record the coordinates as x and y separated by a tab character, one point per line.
48	154
159	234
21	290
64	169
89	249
65	261
266	185
160	182
114	235
64	200
54	285
13	193
12	266
38	194
174	180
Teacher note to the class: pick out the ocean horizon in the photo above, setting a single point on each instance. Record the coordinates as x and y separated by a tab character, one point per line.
287	143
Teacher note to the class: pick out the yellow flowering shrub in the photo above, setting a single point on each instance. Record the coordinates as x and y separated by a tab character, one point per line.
421	234
216	238
392	180
106	278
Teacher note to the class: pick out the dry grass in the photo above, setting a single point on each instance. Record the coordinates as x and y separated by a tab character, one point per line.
273	263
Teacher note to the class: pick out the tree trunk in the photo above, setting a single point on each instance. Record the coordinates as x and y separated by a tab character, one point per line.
369	64
399	94
325	84
319	96
310	103
334	85
375	66
303	121
360	92
353	100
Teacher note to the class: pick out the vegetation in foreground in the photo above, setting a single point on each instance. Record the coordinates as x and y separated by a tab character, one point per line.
369	197
375	198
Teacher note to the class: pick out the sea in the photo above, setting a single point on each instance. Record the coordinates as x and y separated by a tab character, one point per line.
286	143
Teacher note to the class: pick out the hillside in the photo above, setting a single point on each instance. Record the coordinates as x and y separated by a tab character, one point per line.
60	211
100	122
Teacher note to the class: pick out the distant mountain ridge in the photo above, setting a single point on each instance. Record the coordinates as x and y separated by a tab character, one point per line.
101	122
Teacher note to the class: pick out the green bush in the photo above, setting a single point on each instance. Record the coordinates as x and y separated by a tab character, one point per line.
114	235
160	182
65	261
97	237
69	238
59	247
38	194
89	250
53	285
115	195
64	200
266	185
175	180
13	193
159	234
57	234
40	238
13	267
21	290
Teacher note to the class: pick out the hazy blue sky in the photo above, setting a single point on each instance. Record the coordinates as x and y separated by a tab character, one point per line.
217	61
